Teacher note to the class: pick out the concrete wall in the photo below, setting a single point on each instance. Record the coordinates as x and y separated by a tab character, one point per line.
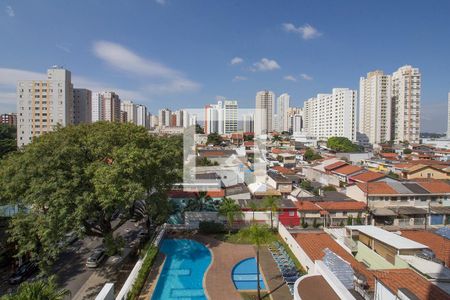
325	179
193	219
107	292
305	261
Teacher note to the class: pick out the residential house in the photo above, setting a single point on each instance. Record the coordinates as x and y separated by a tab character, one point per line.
426	171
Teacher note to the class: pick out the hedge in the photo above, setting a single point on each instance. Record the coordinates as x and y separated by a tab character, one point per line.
143	273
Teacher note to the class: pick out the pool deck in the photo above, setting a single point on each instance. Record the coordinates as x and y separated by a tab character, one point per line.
152	280
274	280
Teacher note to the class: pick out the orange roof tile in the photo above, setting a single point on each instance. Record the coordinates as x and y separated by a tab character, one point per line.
377	188
395	279
283	170
216	194
389	155
367	176
342	205
335	165
435	186
314	245
439	244
347	170
306	206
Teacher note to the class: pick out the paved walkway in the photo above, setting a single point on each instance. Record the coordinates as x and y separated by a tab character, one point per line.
152	280
218	282
274	280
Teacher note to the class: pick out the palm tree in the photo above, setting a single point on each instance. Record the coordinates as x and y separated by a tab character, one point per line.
39	290
230	209
198	203
253	207
276	139
272	203
258	235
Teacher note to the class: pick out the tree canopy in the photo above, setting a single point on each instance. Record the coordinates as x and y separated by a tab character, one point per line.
39	290
310	155
76	178
342	144
7	139
214	138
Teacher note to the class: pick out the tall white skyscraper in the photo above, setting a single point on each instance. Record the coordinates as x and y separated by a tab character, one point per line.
131	109
406	88
141	115
282	112
154	121
248	123
295	119
43	104
375	107
265	109
230	116
329	115
164	117
82	102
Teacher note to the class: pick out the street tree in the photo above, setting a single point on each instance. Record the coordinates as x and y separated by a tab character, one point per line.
230	210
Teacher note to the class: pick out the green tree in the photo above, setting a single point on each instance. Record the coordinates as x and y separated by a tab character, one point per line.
214	138
39	290
248	137
271	203
276	139
407	151
253	207
258	235
76	178
199	129
230	210
199	203
7	139
310	155
342	144
306	185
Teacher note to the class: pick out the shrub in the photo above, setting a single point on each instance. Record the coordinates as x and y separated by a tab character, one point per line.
211	227
143	273
304	224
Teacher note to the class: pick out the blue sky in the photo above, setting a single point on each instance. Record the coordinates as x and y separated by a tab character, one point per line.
179	53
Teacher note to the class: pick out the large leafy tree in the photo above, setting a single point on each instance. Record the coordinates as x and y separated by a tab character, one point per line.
7	139
342	144
258	235
76	178
39	290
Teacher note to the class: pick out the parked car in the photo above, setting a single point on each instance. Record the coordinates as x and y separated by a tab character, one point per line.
23	272
94	260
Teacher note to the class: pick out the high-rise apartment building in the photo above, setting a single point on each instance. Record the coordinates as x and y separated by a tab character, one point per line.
43	104
406	88
248	123
295	114
154	121
328	115
282	112
375	107
265	109
230	116
82	103
106	107
141	115
131	109
164	117
8	119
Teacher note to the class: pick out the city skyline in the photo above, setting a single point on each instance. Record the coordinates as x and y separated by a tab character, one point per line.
155	68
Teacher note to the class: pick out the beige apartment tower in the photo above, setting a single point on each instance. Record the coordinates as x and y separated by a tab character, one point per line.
264	114
44	104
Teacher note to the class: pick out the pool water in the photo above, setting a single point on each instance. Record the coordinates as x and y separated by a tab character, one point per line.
245	277
183	271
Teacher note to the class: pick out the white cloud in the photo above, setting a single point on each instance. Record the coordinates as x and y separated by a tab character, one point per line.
167	80
306	77
236	60
290	78
63	47
9	77
10	11
306	31
265	64
239	78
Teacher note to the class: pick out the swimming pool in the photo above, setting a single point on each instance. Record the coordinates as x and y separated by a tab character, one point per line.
244	275
182	274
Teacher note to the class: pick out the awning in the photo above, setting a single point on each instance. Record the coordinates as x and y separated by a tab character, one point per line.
383	212
410	210
440	210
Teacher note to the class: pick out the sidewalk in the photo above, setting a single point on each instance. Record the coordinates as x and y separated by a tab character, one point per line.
92	286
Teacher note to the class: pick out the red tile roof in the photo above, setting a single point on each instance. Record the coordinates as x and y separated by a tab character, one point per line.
435	186
439	244
395	279
182	194
335	165
314	245
367	176
389	155
283	170
342	205
347	170
377	188
216	194
249	144
306	206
